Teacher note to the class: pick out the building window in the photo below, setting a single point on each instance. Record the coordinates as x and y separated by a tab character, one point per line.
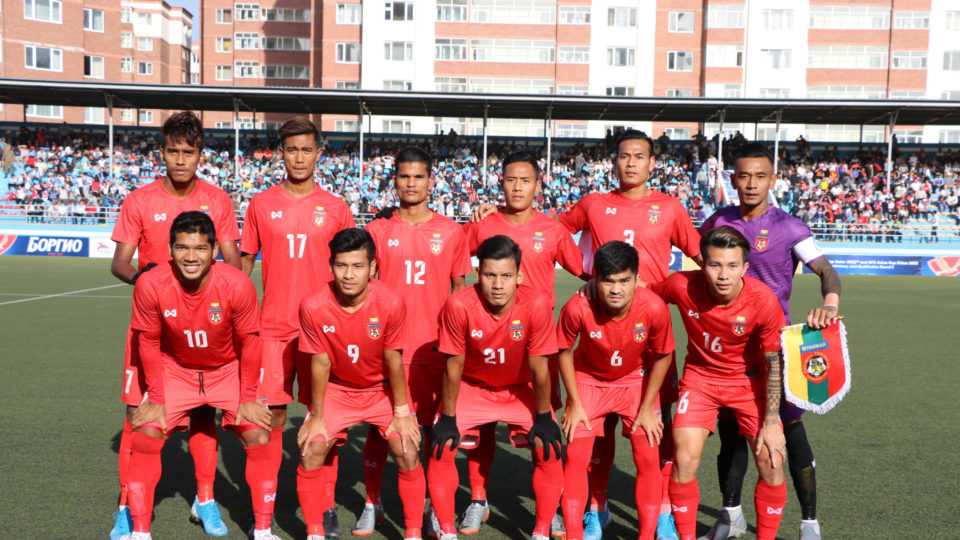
145	68
224	44
725	16
350	126
145	117
445	124
679	92
571	131
126	14
573	90
452	10
775	93
722	90
349	13
286	15
911	20
398	51
619	90
286	44
778	19
725	55
951	60
144	44
847	57
286	72
846	92
348	53
511	86
225	16
93	66
126	64
621	16
681	22
396	126
910	60
126	40
451	49
348	85
224	73
223	125
398	86
575	55
126	115
246	69
776	58
574	14
850	17
952	21
145	19
42	10
511	50
621	56
194	78
93	19
398	11
514	11
450	84
93	115
247	12
45	111
910	94
680	61
677	134
44	58
247	40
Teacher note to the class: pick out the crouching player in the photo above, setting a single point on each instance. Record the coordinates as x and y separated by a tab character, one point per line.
497	337
353	330
606	375
193	315
733	360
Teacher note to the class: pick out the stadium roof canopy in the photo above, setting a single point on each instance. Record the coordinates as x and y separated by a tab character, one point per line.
438	104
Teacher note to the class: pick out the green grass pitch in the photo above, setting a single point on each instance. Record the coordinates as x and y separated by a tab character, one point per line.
886	456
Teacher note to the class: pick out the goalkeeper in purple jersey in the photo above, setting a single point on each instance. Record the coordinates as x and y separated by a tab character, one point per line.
778	242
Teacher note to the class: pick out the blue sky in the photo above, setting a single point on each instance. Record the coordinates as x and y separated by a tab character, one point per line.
193	6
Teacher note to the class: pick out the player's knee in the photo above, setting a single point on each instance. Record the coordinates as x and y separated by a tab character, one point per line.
687	461
407	461
279	418
314	455
254	437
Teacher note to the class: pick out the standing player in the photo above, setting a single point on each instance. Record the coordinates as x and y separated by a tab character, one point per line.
196	322
544	243
497	337
291	225
779	241
353	328
423	256
733	360
143	228
606	375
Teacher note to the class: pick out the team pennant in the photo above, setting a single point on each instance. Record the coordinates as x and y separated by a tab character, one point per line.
816	366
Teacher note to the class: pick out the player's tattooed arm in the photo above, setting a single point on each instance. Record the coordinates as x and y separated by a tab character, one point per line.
830	289
771	434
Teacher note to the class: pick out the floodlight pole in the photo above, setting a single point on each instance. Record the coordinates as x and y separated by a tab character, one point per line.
893	122
109	99
483	164
776	146
360	155
236	141
547	125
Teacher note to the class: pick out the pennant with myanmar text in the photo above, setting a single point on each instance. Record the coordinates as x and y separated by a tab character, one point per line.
816	366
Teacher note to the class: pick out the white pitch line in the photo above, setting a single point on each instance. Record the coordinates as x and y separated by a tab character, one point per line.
68	293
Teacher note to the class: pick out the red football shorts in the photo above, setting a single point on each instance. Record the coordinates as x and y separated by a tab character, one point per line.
599	401
424	383
186	389
700	402
277	370
133	381
344	408
514	405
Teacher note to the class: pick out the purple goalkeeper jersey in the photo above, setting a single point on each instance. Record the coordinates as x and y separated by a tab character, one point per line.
773	238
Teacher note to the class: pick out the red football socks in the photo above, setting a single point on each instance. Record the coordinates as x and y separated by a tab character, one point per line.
311	490
144	473
203	448
604	451
123	459
263	484
685	498
413	490
442	480
665	482
648	489
479	461
374	459
575	488
276	450
769	501
547	489
331	468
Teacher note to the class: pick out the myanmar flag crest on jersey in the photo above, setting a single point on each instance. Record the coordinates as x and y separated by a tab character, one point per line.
816	367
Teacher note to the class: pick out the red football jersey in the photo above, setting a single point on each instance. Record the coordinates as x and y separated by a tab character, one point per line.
293	235
543	242
354	341
417	263
725	344
651	224
197	330
496	350
148	212
611	352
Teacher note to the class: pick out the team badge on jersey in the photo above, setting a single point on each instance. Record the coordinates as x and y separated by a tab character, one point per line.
373	328
319	216
639	332
538	241
215	312
653	214
740	325
516	330
763	240
436	244
205	209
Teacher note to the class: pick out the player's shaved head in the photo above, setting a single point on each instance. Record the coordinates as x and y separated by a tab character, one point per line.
193	222
724	237
298	125
183	126
616	257
413	154
349	240
497	248
635	134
